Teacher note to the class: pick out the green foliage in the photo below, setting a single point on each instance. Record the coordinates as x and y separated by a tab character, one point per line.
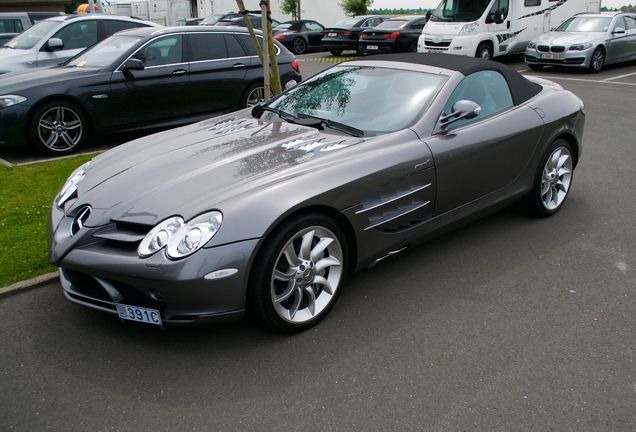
356	7
26	194
290	7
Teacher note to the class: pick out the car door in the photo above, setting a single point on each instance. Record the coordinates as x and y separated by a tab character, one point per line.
76	37
218	66
479	156
156	94
315	33
630	22
499	24
617	45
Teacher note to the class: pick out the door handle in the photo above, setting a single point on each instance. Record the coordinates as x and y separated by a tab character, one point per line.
238	66
179	72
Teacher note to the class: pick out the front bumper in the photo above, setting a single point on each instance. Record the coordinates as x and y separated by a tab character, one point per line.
458	45
579	59
13	125
101	273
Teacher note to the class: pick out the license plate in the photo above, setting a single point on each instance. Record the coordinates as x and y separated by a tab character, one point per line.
553	56
139	314
372	47
332	34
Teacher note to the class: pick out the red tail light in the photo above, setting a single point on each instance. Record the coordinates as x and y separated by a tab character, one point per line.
393	35
364	36
279	37
346	33
294	65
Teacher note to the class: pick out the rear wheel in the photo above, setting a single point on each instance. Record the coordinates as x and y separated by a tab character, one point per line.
598	60
484	51
413	46
58	128
254	95
299	46
299	272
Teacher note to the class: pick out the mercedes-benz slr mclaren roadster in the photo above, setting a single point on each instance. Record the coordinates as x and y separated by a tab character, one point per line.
268	210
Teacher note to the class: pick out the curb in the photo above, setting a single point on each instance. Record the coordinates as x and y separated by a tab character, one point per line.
28	284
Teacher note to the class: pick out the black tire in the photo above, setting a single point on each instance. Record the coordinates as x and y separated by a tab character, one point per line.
249	97
263	287
58	128
535	67
534	201
597	61
336	52
484	51
413	47
299	46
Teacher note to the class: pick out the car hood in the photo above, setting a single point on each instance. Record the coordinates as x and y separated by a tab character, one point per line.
442	28
17	82
190	170
15	59
567	38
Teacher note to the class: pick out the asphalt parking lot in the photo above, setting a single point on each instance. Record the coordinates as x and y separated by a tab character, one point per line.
507	324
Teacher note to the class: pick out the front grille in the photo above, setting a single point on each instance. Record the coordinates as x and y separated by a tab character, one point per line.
543	48
122	235
557	49
442	44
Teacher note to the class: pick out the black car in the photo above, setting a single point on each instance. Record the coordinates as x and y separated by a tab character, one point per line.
145	78
344	35
300	35
257	22
398	34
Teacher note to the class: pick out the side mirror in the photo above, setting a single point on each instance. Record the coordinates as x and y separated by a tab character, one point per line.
132	64
462	110
54	44
290	84
619	30
257	110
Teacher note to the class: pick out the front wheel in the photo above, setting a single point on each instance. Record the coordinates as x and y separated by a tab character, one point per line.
484	51
598	60
58	128
335	52
298	274
552	181
299	46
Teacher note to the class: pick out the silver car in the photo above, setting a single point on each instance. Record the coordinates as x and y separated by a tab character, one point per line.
588	40
55	40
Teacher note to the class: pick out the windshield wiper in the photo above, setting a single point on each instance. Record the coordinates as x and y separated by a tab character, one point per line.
313	121
282	114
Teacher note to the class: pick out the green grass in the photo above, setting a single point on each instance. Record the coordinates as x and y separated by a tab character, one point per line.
26	194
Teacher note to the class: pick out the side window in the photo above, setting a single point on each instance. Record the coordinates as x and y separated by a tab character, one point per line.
112	27
631	23
79	34
620	22
234	48
312	26
488	89
10	26
248	45
532	2
419	24
164	51
372	22
207	46
499	10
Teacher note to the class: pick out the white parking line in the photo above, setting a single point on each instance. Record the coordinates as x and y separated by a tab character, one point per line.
556	78
5	162
619	77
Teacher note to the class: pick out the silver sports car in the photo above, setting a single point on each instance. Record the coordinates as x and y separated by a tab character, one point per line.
268	210
586	41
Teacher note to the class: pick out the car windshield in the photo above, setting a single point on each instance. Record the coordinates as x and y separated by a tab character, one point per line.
285	26
585	24
30	37
460	10
392	24
351	22
106	52
212	19
373	99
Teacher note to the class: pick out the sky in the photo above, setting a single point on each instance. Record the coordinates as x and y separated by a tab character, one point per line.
408	4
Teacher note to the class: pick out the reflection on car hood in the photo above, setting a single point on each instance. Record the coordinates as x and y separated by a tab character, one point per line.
18	82
196	168
567	38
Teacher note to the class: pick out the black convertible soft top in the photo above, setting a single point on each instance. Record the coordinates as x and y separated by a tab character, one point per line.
520	88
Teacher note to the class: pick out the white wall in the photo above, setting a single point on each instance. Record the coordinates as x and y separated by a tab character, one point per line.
326	12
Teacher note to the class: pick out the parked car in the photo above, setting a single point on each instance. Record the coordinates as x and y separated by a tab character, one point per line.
213	19
145	78
268	210
193	21
394	35
55	40
345	35
586	41
14	23
257	22
300	36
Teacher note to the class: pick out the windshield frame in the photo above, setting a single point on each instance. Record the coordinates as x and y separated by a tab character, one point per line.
609	20
438	13
417	118
53	25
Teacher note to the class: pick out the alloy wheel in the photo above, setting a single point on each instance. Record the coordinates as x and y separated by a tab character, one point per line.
60	129
598	60
256	96
556	179
306	275
299	46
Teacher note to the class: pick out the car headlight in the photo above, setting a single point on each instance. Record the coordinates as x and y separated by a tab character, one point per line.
469	28
9	100
532	45
580	47
179	238
70	187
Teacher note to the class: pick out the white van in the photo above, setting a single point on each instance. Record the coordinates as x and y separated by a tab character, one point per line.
490	28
